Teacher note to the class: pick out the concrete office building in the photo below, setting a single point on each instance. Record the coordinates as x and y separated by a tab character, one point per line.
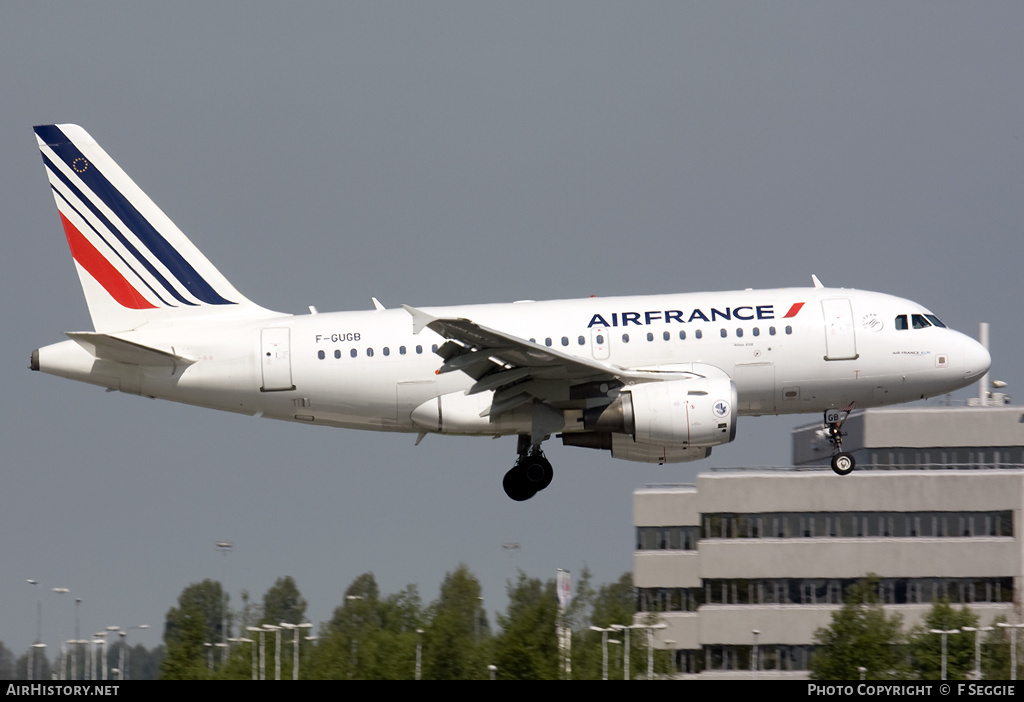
934	509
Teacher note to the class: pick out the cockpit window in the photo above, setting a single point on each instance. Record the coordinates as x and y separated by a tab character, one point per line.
918	321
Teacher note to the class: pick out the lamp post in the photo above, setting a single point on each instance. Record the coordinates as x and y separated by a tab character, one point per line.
39	624
977	646
295	645
63	647
625	652
100	637
650	647
944	632
225	548
604	650
126	662
419	647
248	641
113	630
263	649
1013	647
31	659
754	660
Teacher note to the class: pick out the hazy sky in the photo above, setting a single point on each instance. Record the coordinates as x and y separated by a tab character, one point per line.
432	153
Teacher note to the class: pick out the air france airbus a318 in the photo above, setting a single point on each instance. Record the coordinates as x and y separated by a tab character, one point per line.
659	379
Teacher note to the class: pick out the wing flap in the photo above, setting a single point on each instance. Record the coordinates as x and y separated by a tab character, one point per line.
517	370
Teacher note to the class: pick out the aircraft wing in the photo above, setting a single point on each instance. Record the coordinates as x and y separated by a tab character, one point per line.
516	369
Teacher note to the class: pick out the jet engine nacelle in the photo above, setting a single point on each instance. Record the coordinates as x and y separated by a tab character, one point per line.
686	413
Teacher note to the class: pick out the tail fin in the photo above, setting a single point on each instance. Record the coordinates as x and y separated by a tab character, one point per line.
136	267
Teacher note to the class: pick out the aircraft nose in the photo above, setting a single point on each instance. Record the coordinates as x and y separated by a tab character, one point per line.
976	359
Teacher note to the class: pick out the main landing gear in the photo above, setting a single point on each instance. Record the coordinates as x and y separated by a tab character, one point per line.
842	462
531	473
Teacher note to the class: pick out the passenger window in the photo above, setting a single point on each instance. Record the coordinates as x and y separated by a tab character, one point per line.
771	331
547	342
699	334
352	353
666	336
369	352
789	329
739	331
901	322
650	336
723	333
757	331
599	339
565	341
625	338
582	341
319	354
401	350
682	336
387	351
337	353
419	349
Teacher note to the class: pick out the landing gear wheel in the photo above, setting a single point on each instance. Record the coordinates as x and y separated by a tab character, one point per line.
531	473
516	485
843	463
537	471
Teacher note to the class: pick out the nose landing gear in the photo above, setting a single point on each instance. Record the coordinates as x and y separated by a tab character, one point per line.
842	462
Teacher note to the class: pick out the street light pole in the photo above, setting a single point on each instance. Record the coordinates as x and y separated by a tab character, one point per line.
977	647
1013	647
944	633
419	647
604	650
754	661
39	625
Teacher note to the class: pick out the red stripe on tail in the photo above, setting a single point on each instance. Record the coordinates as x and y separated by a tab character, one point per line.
100	269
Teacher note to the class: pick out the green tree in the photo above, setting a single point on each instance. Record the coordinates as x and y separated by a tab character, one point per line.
369	638
197	620
527	648
611	605
6	663
860	635
283	603
926	647
450	647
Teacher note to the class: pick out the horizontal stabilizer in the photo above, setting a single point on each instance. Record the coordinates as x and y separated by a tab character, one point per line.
111	348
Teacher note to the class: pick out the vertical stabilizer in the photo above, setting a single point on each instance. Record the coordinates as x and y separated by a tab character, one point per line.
136	267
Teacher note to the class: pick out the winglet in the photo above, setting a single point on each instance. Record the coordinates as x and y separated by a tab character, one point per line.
420	319
377	306
817	283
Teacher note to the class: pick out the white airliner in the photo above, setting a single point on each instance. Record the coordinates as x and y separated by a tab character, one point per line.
658	378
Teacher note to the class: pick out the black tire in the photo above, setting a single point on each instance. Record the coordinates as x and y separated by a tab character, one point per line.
843	463
516	485
537	472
